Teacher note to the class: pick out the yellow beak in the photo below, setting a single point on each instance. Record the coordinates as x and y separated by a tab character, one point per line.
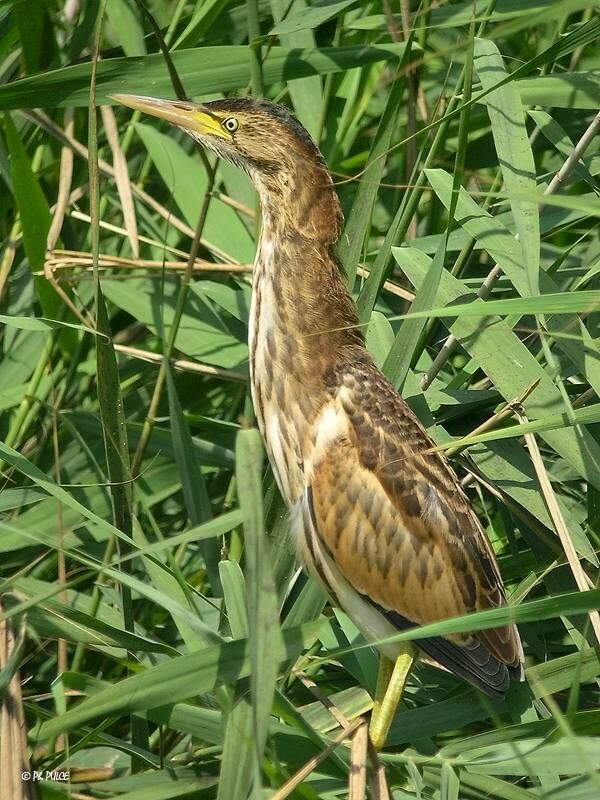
191	116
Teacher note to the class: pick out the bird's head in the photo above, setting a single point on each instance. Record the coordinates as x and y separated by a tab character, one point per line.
260	137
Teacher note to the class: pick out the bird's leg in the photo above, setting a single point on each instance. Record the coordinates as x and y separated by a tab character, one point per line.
391	681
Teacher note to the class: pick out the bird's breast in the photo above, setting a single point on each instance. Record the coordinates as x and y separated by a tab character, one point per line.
282	404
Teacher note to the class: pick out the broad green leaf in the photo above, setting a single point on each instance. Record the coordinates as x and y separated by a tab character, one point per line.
514	155
202	71
572	90
168	581
561	302
357	225
238	759
35	34
202	334
124	21
34	213
398	361
533	611
170	682
196	497
112	415
41	479
204	14
450	783
187	182
505	250
54	619
311	16
306	93
536	756
263	607
461	14
560	673
234	595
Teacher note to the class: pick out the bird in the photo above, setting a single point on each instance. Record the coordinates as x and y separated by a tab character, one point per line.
377	513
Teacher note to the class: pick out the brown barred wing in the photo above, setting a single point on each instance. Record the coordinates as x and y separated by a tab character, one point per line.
393	517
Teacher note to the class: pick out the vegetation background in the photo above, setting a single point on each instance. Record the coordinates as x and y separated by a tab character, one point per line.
157	638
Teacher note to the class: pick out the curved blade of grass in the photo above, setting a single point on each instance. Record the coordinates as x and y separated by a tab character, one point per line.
203	71
42	480
514	154
42	324
359	219
234	595
168	683
263	605
571	603
192	481
579	416
35	216
405	348
584	302
311	17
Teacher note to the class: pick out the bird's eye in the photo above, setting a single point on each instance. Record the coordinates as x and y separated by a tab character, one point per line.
231	124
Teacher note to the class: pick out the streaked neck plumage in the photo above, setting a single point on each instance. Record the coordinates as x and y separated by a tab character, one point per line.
300	315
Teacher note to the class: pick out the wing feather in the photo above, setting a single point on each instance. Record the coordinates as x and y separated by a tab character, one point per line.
392	516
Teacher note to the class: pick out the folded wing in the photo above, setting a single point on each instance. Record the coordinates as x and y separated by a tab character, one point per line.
393	518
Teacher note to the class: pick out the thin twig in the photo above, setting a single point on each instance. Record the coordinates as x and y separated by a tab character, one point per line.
177	315
291	784
507	410
392	288
490	281
314	689
68	259
182	364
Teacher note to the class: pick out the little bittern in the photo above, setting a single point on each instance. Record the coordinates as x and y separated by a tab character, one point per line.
379	517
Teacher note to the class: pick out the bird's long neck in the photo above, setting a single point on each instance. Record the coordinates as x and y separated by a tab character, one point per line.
296	270
301	317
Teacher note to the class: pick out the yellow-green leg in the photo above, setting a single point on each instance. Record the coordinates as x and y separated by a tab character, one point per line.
391	681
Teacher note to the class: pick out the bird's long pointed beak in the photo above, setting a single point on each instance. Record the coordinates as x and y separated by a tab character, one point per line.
191	116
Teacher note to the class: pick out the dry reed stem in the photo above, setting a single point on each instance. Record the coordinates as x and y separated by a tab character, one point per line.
335	712
68	259
121	177
379	785
581	579
14	759
65	178
296	779
357	785
182	364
